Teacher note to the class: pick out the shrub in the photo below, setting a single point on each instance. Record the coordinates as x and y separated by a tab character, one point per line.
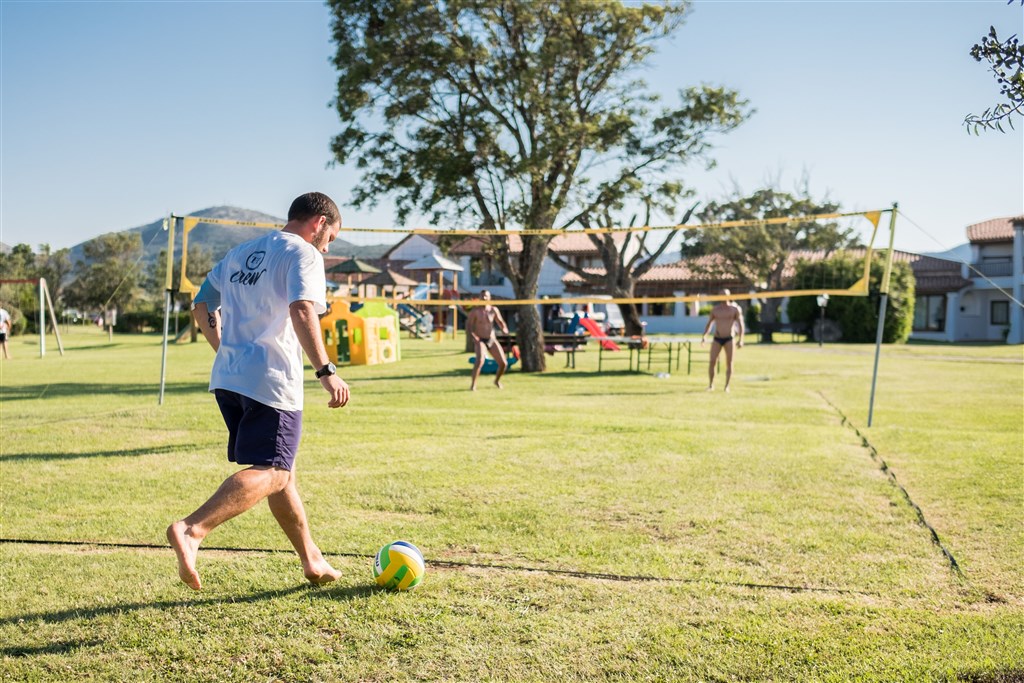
857	316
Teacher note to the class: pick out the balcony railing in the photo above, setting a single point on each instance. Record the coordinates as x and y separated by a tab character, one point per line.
996	269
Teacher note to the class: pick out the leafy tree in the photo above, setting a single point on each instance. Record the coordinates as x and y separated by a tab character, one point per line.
55	266
495	113
1006	62
858	316
23	263
109	276
626	258
757	255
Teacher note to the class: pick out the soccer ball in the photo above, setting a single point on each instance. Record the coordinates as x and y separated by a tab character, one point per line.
399	566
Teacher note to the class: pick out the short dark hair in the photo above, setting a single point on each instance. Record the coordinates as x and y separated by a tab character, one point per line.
313	204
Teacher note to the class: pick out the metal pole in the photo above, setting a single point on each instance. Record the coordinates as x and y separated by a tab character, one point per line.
42	320
821	327
168	282
881	310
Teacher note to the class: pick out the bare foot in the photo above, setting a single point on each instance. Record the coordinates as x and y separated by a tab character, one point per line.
727	389
185	547
497	384
319	571
711	388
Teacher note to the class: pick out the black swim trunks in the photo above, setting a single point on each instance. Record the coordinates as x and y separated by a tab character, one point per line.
723	340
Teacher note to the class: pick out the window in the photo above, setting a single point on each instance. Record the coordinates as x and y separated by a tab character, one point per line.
999	312
483	273
930	313
661	309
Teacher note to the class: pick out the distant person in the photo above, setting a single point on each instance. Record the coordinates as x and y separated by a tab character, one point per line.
258	310
426	323
5	331
725	317
480	324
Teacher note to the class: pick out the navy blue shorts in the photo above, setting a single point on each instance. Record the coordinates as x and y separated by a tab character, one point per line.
258	434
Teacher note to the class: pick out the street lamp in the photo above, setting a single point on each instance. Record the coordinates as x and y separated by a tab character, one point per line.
822	303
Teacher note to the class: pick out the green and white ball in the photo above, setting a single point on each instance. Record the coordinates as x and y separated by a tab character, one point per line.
399	566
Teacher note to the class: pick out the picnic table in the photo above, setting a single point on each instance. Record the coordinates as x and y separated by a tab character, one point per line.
569	343
670	348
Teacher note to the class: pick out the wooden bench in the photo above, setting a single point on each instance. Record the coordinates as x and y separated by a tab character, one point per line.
569	343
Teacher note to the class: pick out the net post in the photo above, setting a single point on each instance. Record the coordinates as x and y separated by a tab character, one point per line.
42	319
53	316
881	309
168	282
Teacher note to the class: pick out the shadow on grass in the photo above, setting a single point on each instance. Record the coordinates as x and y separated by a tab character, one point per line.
122	453
61	648
86	390
89	613
388	378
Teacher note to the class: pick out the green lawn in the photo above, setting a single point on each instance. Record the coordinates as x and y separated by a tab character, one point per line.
577	525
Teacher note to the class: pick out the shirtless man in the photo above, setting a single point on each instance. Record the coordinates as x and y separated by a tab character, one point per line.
725	316
480	326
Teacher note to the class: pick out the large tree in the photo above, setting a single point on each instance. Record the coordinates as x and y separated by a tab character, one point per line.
109	276
758	255
509	114
1006	62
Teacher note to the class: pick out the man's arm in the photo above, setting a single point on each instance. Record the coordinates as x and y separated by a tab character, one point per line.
471	323
209	322
501	321
707	328
739	319
307	329
206	312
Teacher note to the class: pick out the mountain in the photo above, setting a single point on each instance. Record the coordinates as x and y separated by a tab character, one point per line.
219	239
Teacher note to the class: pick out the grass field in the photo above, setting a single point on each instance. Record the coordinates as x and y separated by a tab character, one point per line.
577	526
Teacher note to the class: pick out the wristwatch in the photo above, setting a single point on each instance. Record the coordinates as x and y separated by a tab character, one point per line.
326	370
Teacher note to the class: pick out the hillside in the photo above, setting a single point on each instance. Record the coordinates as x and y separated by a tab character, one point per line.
218	239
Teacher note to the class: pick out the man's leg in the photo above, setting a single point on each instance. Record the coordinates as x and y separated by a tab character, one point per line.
716	349
286	505
478	349
236	494
728	363
499	357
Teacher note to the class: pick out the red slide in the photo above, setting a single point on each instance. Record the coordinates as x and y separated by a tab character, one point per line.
597	333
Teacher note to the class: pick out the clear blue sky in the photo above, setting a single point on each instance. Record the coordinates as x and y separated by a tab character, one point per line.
114	114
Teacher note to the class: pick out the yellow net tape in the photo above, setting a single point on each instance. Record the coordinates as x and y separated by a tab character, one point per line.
860	288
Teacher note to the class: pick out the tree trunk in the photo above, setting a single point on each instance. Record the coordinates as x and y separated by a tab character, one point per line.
769	319
530	331
530	335
630	312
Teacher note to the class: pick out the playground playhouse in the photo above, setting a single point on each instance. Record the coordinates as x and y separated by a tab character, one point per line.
366	336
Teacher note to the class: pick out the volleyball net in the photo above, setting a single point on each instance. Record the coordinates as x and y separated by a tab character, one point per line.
686	279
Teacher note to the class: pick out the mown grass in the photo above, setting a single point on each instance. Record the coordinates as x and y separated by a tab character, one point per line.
577	525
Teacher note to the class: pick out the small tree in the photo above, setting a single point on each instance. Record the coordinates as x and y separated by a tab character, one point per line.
1006	62
857	316
758	255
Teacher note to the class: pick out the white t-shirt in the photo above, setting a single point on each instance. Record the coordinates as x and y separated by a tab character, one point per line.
5	320
260	356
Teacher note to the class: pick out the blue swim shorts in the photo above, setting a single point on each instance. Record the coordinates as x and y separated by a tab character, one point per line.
258	434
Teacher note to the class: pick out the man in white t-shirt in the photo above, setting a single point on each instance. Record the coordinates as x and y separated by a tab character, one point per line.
258	309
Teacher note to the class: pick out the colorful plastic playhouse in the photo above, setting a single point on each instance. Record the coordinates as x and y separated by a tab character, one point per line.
366	336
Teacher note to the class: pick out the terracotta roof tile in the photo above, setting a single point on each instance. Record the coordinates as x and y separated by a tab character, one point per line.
995	230
570	243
